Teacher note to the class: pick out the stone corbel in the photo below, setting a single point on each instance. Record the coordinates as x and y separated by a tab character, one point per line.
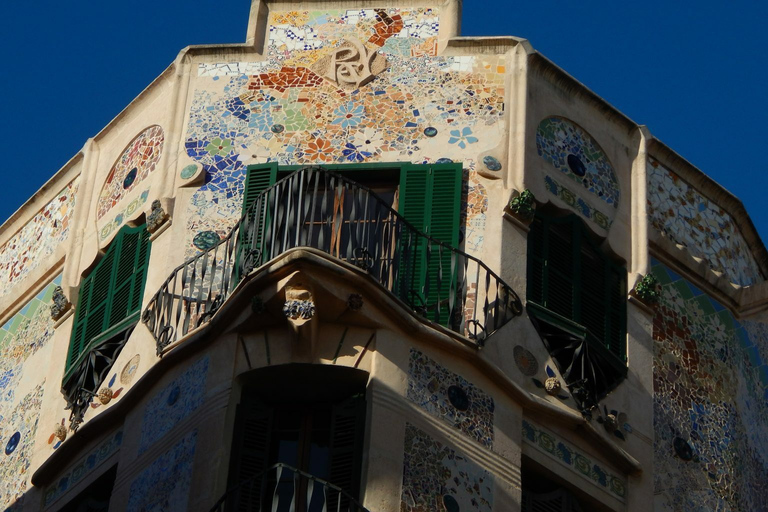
299	310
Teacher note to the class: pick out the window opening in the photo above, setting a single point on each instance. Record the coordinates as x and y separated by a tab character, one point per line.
577	300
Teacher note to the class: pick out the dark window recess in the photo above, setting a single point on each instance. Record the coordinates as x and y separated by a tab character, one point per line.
577	300
310	419
107	311
95	497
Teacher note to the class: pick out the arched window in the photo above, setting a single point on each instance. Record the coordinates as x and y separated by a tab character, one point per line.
577	293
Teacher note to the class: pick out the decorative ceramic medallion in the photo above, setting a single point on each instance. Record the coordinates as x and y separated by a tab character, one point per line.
491	163
188	171
525	361
430	131
13	443
206	240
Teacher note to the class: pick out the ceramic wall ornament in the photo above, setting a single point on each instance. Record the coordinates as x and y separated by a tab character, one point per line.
355	302
61	304
192	175
551	385
299	306
157	216
490	168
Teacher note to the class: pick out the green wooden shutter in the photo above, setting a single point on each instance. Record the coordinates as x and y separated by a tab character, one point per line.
258	179
113	290
250	450
347	432
561	268
430	200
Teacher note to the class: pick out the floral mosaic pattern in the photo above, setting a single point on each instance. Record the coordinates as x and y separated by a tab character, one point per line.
138	160
19	423
581	206
165	484
84	467
450	397
568	455
688	218
125	214
436	477
280	110
577	155
176	401
38	239
710	402
21	337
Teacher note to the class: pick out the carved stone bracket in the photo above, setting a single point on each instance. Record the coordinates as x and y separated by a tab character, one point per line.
60	304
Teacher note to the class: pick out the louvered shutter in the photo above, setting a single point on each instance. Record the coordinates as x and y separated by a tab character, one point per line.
561	253
253	232
617	311
347	431
555	501
429	200
113	290
92	312
250	451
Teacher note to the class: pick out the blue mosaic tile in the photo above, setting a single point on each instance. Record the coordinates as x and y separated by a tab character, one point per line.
162	413
165	483
451	398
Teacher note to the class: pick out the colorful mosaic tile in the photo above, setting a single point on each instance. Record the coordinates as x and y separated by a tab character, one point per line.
688	218
176	401
710	402
450	397
124	215
236	106
84	467
164	485
38	239
571	457
581	206
134	165
18	428
577	155
436	477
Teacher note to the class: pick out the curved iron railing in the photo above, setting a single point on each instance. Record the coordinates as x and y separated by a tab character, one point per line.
283	488
316	208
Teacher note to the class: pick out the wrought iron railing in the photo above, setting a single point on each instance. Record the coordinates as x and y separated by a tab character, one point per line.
316	208
283	488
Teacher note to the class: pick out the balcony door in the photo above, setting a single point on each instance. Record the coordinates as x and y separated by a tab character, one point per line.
298	426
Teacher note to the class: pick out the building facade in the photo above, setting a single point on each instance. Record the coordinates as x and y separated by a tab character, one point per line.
360	262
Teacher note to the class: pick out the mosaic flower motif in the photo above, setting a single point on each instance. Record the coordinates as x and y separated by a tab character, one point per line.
462	137
353	154
368	141
349	115
319	149
218	146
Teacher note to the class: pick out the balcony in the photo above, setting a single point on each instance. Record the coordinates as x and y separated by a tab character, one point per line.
283	488
316	208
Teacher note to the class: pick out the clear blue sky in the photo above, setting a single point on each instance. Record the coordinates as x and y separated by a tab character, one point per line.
694	72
